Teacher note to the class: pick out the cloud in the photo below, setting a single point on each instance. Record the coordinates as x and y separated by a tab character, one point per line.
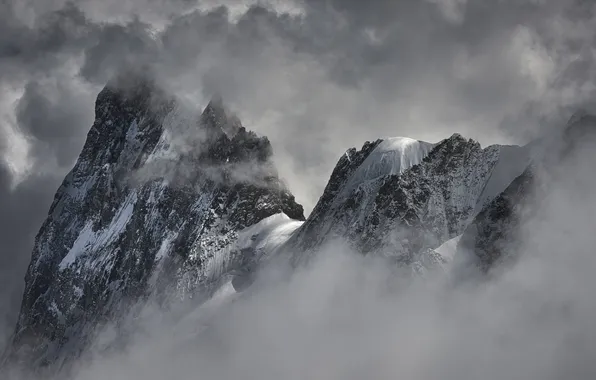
315	76
346	316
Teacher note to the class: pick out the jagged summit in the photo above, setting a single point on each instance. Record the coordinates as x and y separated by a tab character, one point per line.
391	156
110	240
217	115
138	87
402	197
132	78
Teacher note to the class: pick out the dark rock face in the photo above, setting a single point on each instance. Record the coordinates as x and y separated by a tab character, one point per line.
153	195
493	238
407	214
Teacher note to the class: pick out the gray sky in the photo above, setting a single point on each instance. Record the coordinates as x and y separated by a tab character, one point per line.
315	76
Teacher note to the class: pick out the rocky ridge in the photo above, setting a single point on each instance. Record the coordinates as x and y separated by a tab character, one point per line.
407	214
152	205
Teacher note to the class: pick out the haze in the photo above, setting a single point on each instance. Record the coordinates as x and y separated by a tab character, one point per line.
318	77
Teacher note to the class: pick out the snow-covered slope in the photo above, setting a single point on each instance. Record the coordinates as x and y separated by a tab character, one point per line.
259	243
267	235
154	204
392	156
403	198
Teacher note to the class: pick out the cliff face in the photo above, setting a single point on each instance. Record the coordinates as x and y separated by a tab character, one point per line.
156	194
404	198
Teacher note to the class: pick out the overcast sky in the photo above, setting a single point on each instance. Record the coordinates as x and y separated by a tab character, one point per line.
315	76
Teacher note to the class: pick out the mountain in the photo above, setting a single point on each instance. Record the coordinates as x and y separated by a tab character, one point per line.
401	198
165	204
420	196
157	193
493	238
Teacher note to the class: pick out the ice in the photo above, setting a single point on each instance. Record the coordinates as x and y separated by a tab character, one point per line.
263	238
165	247
84	240
269	234
119	222
79	191
56	310
392	156
448	249
162	253
78	291
89	240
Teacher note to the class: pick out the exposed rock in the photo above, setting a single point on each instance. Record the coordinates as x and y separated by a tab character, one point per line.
407	207
155	193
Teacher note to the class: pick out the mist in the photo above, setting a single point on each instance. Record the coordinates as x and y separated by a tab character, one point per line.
348	316
318	77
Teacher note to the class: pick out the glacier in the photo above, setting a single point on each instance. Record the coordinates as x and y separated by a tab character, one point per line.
391	156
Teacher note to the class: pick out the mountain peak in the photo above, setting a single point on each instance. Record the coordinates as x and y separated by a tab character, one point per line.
131	92
217	115
136	85
144	211
391	156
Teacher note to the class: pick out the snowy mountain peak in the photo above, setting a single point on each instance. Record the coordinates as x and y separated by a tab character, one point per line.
394	156
391	156
153	205
403	198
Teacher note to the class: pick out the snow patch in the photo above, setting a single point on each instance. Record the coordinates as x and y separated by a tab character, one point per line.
162	253
81	244
269	234
164	248
448	249
391	157
119	222
89	240
55	309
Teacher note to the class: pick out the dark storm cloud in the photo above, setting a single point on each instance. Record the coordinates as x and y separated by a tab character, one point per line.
316	81
31	50
49	114
117	47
